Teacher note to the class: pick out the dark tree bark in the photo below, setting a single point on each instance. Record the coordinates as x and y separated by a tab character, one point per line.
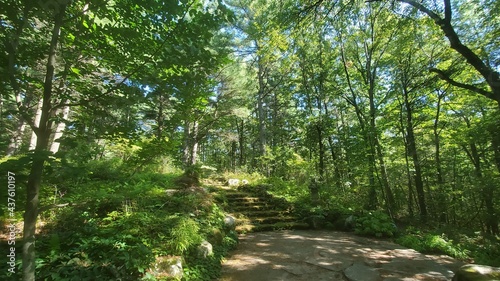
240	128
412	150
487	189
39	156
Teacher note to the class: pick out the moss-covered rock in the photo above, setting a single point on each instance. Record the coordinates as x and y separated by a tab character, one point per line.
476	272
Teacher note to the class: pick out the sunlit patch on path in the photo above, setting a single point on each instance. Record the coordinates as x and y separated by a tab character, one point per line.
330	255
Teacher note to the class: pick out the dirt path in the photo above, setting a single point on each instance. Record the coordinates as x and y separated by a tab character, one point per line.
329	255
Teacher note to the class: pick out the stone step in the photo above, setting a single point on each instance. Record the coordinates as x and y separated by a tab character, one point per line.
249	207
234	194
263	213
269	227
265	220
250	199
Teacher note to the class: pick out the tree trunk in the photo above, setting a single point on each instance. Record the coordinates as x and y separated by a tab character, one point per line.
407	162
487	188
159	117
241	141
54	147
443	204
412	150
261	112
38	115
16	140
39	158
193	157
321	147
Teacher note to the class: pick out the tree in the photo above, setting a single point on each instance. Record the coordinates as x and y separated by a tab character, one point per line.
444	20
88	53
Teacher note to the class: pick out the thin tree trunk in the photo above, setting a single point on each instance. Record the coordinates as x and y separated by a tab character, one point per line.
412	150
193	157
241	141
159	117
43	134
38	115
16	140
54	147
260	109
487	189
407	162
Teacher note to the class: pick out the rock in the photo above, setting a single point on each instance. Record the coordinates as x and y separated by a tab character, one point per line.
477	272
361	272
244	182
233	182
216	236
171	192
350	222
167	266
205	249
229	222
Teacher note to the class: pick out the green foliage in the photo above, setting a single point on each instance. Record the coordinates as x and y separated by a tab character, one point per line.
376	223
433	244
184	235
209	268
291	191
118	223
481	249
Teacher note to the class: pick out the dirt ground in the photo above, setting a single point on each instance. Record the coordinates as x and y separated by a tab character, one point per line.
330	255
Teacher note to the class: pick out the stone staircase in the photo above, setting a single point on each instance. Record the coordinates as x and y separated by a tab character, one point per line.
254	212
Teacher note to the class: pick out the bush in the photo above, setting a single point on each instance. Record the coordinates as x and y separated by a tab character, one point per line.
184	235
376	223
433	244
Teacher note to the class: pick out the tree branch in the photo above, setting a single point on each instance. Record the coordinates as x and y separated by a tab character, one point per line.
447	11
442	75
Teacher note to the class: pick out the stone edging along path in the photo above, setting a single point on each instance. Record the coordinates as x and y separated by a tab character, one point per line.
330	255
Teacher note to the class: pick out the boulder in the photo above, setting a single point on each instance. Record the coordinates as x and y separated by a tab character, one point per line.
167	266
229	222
216	236
476	272
350	222
205	249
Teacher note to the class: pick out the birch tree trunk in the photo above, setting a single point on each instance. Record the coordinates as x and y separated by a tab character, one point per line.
54	147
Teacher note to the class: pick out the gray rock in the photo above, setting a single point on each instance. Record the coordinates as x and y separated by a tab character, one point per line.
229	222
167	266
171	192
477	272
350	222
233	182
361	272
205	249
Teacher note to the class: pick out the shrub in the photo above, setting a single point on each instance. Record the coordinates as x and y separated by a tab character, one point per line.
376	223
184	235
433	244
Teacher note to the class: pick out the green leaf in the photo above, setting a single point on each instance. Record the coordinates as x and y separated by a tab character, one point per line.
75	70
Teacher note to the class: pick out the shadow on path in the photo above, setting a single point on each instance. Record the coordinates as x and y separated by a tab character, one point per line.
329	255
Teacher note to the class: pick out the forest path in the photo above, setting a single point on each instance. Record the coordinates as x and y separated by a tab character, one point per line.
315	255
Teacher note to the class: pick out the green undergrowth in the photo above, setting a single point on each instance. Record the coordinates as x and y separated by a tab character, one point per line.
464	245
116	224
